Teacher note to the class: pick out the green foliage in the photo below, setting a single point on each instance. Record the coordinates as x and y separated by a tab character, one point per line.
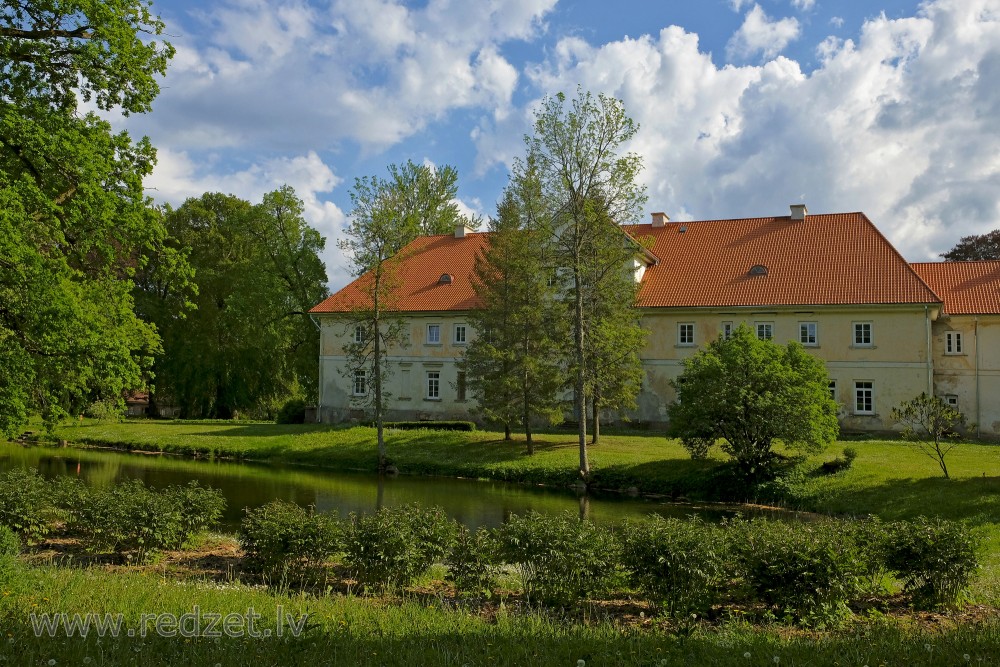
975	247
560	559
10	543
840	463
393	546
249	342
75	222
473	561
431	425
750	392
136	521
934	558
930	424
108	410
281	538
26	505
810	571
292	412
680	566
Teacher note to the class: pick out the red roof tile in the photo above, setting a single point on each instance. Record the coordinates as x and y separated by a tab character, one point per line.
968	288
836	259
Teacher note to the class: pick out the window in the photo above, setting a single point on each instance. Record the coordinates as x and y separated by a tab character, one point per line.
862	334
685	333
727	330
460	386
864	392
807	333
434	385
765	330
434	334
953	342
951	400
359	334
360	383
460	334
833	389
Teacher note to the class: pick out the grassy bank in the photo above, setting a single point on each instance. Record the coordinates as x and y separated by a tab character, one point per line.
344	630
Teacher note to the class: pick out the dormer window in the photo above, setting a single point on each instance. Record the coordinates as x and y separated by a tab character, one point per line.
445	279
758	270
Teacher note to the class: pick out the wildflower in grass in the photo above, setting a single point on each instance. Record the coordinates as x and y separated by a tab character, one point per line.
581	663
747	655
966	657
52	661
777	660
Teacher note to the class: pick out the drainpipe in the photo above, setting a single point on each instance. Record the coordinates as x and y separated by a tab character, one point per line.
979	427
319	394
930	359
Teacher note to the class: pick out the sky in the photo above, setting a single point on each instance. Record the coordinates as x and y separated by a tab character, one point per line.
891	107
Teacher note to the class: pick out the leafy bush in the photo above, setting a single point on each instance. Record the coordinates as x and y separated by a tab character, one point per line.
10	543
26	505
679	565
282	538
200	507
435	425
472	561
395	545
292	412
934	558
810	571
560	559
841	462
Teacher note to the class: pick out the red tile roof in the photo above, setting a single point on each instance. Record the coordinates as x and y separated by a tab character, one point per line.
968	288
836	259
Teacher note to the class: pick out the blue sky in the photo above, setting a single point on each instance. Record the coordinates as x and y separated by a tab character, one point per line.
889	107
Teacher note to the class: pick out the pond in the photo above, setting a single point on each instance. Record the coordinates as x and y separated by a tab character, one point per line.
472	502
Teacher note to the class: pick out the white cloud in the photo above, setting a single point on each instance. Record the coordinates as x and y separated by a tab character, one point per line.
759	34
899	123
803	5
737	5
836	21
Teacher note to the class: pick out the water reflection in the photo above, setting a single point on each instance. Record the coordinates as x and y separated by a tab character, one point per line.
474	503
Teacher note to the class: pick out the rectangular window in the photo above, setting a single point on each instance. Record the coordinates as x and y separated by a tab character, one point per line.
460	386
460	335
765	330
833	389
807	333
727	330
864	393
434	334
953	342
359	334
360	383
862	334
951	400
433	384
685	333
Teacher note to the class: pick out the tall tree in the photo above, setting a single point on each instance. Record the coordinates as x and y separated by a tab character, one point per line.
425	197
249	342
74	221
974	247
514	366
587	189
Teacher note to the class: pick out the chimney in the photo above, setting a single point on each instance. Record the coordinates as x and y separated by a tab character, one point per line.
461	230
660	219
799	211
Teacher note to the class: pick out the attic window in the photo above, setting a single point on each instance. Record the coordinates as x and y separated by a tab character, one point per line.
445	279
758	270
682	229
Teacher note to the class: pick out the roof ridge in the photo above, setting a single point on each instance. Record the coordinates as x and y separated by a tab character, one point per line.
898	254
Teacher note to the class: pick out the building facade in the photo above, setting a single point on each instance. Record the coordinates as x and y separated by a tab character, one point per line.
886	329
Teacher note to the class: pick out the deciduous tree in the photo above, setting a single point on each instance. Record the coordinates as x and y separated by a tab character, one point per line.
931	425
975	247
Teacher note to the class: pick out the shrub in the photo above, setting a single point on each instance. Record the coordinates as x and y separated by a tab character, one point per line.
872	538
472	561
560	559
679	565
934	558
281	538
10	543
840	463
395	545
810	571
292	412
200	507
435	425
26	505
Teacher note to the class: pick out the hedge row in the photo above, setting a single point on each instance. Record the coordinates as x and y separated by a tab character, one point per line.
807	572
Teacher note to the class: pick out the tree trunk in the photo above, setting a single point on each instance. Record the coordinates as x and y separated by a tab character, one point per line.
595	435
377	357
506	431
581	397
527	424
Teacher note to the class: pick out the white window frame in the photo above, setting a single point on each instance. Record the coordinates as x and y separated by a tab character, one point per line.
359	333
809	330
833	389
951	400
953	342
864	392
727	330
685	334
434	339
858	334
432	385
463	338
360	385
767	327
